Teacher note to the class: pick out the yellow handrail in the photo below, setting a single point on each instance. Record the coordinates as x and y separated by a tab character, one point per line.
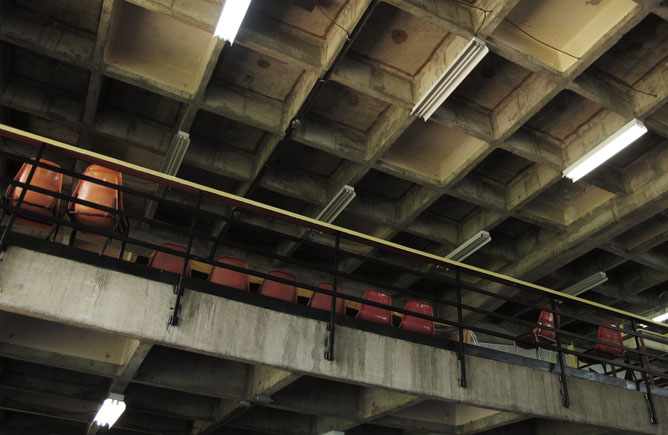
238	201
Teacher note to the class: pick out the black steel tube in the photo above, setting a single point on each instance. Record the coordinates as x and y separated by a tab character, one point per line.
648	394
22	195
562	372
460	330
174	318
329	353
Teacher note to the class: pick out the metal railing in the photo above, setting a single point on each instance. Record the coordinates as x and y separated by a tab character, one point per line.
458	292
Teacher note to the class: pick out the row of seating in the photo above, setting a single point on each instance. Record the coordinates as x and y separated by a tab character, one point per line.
230	278
84	216
96	219
541	336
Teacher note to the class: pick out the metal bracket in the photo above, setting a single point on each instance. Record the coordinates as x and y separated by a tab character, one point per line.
565	398
329	342
460	347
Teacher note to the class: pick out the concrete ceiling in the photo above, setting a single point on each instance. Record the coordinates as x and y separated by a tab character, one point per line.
123	77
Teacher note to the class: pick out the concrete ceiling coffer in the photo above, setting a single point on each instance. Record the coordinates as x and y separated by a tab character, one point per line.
433	151
158	48
573	26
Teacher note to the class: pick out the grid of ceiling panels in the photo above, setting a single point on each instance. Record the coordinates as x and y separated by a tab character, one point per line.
122	77
489	159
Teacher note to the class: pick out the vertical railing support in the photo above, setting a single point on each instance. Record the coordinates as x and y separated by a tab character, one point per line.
329	352
460	328
24	190
178	289
565	398
648	395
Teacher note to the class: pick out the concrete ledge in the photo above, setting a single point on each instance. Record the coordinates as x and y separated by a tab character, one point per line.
77	294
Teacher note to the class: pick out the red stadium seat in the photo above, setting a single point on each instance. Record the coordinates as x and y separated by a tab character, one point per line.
604	351
375	314
33	201
228	277
170	262
94	218
416	324
277	289
540	336
324	302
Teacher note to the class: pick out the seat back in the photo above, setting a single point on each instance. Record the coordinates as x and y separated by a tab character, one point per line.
230	278
609	336
105	196
546	318
279	290
324	302
169	262
36	202
416	324
375	314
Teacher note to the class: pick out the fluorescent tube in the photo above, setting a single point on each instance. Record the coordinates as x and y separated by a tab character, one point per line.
470	246
337	204
661	318
231	16
586	284
451	78
112	408
606	149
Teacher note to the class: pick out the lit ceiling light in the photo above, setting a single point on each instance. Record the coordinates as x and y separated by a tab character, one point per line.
586	284
337	204
470	246
112	408
662	318
231	16
624	137
451	78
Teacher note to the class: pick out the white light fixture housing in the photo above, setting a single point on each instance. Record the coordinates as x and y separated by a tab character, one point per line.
337	204
112	408
586	284
231	16
470	246
451	78
662	318
622	138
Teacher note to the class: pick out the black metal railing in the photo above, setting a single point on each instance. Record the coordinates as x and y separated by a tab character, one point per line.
449	282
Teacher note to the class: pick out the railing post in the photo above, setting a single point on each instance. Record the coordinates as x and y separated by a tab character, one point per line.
12	218
566	400
178	289
460	328
648	395
329	352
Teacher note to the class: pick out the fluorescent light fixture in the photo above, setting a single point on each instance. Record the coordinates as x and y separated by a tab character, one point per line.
470	246
662	318
337	204
586	284
622	138
112	408
231	16
175	153
451	78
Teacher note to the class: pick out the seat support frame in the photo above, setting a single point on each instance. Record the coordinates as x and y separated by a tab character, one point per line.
12	218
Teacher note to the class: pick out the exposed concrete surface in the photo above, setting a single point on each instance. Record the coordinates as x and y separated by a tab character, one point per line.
36	284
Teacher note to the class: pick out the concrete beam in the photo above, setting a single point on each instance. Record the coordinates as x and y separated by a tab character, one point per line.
191	373
466	117
373	81
128	371
210	324
334	139
535	148
47	37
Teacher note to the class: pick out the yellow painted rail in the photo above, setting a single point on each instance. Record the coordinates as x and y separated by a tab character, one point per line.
237	201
